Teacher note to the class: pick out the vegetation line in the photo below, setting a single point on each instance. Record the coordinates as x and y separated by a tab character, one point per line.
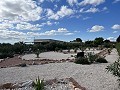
118	48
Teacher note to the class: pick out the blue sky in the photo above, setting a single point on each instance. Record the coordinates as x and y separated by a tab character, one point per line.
24	20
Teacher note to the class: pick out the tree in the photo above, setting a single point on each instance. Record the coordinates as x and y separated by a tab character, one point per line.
89	43
37	53
106	41
98	41
115	69
78	40
118	39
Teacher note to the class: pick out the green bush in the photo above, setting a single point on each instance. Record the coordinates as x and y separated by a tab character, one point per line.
5	55
115	69
101	60
75	50
118	48
38	84
92	58
82	60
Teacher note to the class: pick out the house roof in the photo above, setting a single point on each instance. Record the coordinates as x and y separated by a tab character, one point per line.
46	40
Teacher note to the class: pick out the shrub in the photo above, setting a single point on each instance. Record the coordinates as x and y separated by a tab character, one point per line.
92	58
118	48
80	54
75	50
82	60
101	60
72	56
115	69
56	49
38	84
5	55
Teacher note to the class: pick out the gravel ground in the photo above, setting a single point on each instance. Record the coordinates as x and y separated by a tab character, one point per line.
93	77
54	55
49	55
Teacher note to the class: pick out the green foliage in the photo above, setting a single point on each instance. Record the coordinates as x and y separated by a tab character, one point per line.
101	60
57	49
98	41
78	40
118	48
37	53
115	68
89	59
92	58
118	39
82	60
89	43
75	50
39	84
5	55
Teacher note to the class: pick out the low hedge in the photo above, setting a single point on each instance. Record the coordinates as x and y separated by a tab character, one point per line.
101	60
82	60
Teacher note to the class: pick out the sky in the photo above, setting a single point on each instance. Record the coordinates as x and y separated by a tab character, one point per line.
66	20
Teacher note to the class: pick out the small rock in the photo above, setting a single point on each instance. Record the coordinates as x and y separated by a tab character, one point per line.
77	89
27	83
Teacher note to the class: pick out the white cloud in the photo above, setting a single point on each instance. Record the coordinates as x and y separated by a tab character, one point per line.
5	25
60	31
115	31
27	26
85	18
116	26
33	34
77	31
115	1
72	2
68	34
10	34
92	10
105	8
49	23
55	6
20	10
92	2
96	28
41	1
82	10
64	11
111	38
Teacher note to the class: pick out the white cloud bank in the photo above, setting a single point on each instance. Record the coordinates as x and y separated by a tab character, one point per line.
60	31
64	11
92	2
19	10
111	38
10	34
90	10
27	26
72	2
116	26
96	28
116	1
115	31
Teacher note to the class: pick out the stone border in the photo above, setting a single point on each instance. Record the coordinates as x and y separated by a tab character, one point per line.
15	86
